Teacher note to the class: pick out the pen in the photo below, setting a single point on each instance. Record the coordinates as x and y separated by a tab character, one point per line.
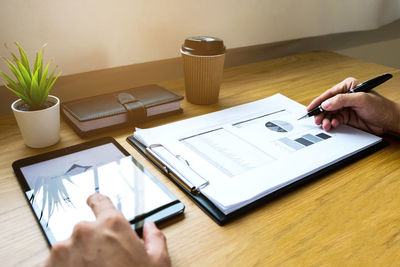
362	87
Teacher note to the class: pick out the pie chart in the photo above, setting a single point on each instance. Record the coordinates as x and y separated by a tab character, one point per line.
279	126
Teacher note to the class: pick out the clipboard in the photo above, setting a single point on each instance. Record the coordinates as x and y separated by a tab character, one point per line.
134	183
213	211
241	157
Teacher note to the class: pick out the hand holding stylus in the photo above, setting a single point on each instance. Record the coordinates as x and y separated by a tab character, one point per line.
368	111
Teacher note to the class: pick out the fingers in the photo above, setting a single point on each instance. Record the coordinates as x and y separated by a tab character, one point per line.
318	119
343	100
155	243
101	205
109	217
326	124
335	122
83	232
154	239
329	120
59	255
340	88
97	243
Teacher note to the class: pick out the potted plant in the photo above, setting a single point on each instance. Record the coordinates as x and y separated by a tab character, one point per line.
37	113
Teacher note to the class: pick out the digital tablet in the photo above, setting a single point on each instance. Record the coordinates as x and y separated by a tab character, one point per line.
58	183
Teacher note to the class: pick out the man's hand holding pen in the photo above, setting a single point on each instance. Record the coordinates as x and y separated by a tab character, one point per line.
368	111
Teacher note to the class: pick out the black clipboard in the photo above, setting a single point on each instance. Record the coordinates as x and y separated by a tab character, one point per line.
218	216
28	168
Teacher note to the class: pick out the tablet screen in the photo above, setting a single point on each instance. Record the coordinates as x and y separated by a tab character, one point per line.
59	187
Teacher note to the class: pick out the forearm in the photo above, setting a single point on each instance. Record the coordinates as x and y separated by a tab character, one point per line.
394	125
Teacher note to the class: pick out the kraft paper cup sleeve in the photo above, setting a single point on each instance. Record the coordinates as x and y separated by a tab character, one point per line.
203	76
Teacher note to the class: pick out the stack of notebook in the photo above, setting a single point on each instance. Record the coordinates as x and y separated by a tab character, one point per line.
129	107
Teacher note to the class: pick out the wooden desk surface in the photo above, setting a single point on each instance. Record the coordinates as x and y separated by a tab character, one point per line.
351	216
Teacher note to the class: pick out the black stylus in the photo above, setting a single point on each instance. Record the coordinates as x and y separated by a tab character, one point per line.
362	87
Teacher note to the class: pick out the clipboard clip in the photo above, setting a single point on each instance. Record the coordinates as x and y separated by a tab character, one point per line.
191	186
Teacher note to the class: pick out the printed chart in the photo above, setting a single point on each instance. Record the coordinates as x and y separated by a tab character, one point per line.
279	126
304	141
252	143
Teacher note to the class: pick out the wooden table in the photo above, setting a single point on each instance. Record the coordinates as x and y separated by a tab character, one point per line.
349	217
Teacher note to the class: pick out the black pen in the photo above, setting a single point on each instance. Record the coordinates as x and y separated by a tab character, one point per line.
362	87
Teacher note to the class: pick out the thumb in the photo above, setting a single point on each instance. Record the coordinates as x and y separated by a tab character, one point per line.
155	243
342	101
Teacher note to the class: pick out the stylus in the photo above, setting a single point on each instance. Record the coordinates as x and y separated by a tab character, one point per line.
362	87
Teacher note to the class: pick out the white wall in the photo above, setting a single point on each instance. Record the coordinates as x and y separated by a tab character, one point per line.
85	35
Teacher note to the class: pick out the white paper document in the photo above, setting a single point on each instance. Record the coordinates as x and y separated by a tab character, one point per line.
238	155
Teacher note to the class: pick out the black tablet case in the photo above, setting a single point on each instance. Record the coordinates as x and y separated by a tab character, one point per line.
219	217
158	216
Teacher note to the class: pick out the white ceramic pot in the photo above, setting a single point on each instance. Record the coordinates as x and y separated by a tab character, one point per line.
40	128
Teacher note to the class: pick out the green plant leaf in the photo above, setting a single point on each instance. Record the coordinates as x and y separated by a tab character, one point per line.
14	91
43	78
40	67
43	83
17	74
16	59
49	81
22	96
24	58
39	63
36	96
35	65
51	85
25	74
13	84
51	76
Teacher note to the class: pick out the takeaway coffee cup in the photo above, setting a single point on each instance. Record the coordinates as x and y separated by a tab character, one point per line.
203	64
